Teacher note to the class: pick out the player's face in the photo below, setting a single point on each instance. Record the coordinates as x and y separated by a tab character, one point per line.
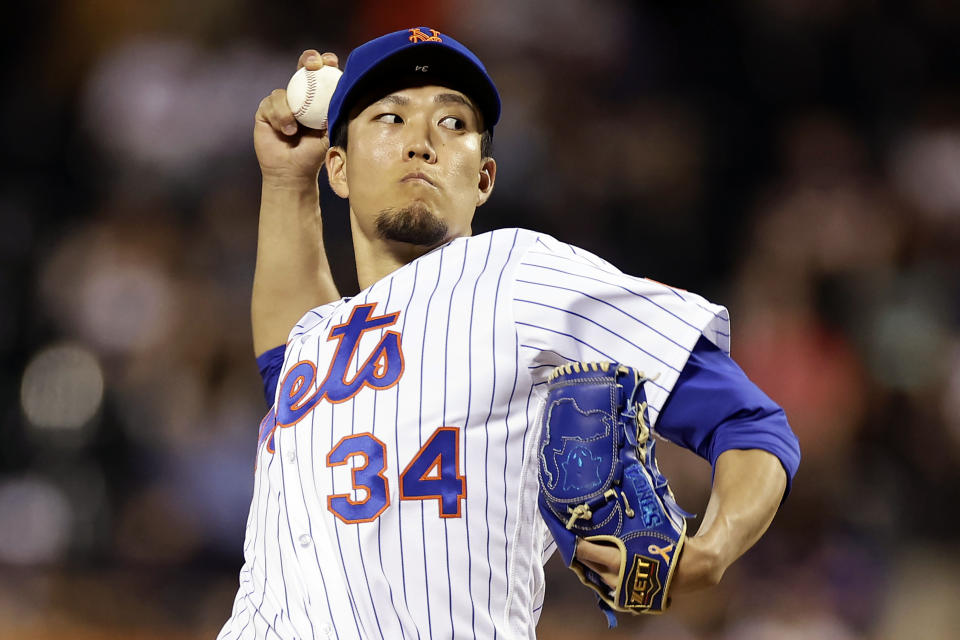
413	170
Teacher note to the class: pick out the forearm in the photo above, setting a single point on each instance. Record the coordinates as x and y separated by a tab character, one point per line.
292	272
748	486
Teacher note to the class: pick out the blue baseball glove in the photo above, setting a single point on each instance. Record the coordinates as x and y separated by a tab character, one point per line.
599	481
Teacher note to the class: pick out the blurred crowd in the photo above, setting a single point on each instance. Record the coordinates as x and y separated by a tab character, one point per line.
795	160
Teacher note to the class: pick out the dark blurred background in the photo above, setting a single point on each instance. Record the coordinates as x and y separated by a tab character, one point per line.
795	160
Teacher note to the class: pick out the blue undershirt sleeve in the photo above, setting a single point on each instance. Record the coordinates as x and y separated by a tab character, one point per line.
714	407
270	362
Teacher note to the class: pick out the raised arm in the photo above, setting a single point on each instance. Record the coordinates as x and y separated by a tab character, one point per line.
292	273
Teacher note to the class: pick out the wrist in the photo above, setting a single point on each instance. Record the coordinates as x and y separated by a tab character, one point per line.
289	182
286	197
701	565
711	540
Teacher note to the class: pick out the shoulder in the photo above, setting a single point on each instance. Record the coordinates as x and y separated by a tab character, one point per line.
523	242
549	247
506	239
501	249
558	271
547	258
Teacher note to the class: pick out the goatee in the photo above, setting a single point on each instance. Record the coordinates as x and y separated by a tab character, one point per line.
414	224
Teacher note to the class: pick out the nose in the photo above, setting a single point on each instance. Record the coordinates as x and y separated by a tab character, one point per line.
425	154
419	146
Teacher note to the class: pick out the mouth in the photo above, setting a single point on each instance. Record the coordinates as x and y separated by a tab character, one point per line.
417	176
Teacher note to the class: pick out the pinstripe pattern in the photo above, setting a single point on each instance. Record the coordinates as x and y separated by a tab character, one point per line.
482	321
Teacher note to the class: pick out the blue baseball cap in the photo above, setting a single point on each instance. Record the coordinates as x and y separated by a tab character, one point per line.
411	57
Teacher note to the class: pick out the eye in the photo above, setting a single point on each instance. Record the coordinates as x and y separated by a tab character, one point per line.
451	122
389	118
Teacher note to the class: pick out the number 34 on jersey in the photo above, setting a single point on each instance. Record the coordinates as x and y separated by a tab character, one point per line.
434	471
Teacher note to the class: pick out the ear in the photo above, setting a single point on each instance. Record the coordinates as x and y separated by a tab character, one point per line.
336	162
488	175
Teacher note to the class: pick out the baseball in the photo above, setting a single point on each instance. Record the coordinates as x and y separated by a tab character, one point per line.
308	95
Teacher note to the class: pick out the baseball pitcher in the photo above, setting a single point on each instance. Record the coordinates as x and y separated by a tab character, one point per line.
483	400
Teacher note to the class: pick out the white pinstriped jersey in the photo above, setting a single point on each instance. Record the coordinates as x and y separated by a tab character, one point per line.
395	485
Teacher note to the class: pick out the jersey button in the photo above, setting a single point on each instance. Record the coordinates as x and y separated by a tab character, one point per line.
326	629
304	540
291	455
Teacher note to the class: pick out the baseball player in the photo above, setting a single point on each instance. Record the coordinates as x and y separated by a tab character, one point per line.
396	485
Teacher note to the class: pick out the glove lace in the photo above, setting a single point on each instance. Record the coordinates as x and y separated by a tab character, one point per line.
611	494
577	512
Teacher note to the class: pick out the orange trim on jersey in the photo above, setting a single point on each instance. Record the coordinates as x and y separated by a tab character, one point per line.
307	397
433	472
339	339
381	360
377	351
353	478
298	384
456	462
320	388
356	345
270	448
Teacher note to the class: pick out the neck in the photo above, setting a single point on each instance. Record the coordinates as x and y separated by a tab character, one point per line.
377	258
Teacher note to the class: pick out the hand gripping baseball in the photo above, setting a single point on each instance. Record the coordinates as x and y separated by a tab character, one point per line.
286	149
599	482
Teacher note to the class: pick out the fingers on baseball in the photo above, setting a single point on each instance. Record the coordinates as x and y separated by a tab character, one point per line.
276	112
309	59
313	60
330	59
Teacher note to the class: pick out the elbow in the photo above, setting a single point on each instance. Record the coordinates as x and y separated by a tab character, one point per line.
770	433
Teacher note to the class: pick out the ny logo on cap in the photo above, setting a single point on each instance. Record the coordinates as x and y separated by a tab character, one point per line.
416	35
